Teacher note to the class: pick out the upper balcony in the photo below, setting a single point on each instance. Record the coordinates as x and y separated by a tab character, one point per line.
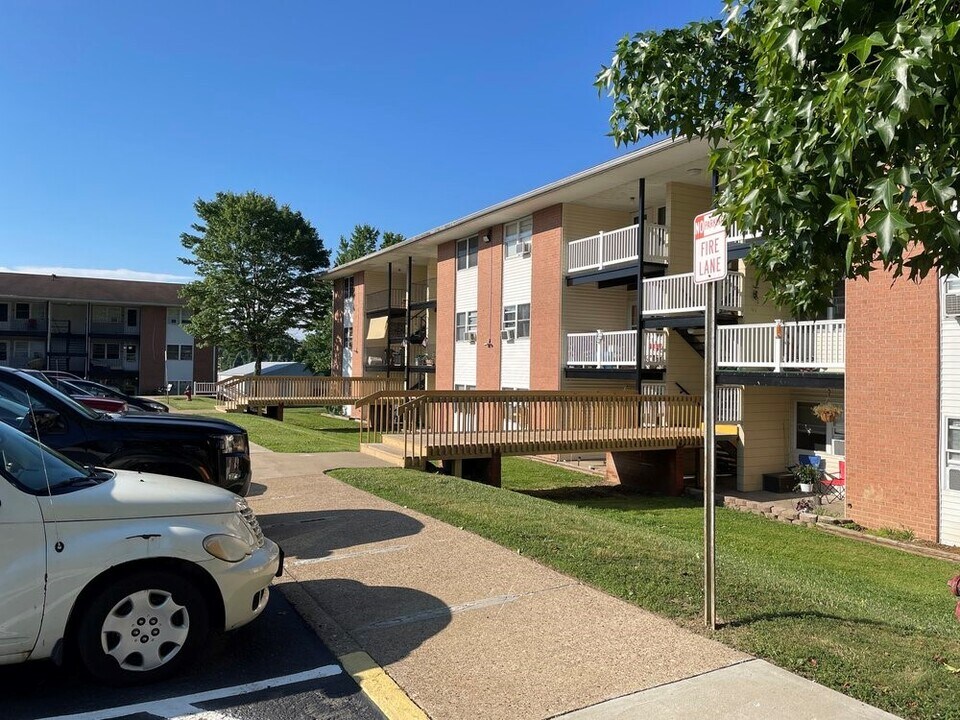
422	295
616	349
615	248
679	295
779	346
24	326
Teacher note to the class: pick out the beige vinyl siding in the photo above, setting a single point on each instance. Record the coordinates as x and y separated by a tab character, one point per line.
949	408
767	430
588	309
582	221
515	355
684	203
755	308
684	366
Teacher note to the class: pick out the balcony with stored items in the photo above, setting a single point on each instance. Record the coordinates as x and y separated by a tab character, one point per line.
617	249
808	352
604	349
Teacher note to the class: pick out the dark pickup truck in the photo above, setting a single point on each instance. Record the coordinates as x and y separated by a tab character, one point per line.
212	451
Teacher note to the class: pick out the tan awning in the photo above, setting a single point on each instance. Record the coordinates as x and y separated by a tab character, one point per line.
377	330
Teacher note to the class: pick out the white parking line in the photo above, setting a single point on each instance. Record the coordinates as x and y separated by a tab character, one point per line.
185	705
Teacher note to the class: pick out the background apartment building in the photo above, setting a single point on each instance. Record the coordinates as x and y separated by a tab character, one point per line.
543	292
124	333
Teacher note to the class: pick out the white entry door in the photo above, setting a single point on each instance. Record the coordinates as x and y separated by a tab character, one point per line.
950	482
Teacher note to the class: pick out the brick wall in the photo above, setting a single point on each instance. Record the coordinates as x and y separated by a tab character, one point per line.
336	361
153	348
359	325
204	363
446	314
489	309
892	403
547	280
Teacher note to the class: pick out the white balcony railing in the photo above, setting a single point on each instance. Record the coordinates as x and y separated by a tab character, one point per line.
729	403
616	349
808	345
676	294
618	247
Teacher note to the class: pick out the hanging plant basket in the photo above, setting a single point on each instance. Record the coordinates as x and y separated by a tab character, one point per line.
828	411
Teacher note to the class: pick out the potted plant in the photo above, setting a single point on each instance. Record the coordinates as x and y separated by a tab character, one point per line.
828	411
807	477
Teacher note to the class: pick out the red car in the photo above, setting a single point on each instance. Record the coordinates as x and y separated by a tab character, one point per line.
103	404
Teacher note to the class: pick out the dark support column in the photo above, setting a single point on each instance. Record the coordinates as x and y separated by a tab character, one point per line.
389	356
641	202
406	326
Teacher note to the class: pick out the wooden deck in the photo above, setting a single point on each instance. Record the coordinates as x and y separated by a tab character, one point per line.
253	393
440	425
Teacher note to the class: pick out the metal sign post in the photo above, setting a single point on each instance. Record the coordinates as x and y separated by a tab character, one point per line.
709	268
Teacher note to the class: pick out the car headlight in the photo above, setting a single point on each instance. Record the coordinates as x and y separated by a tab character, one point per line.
229	548
236	443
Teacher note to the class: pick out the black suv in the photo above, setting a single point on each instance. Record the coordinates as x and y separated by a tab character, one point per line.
212	451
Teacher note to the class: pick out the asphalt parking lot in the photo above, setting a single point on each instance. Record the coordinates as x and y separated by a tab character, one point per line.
274	668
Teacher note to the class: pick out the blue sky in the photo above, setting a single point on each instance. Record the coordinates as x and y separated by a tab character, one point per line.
116	115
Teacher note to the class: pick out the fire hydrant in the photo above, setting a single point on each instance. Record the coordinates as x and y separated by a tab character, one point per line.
954	585
189	394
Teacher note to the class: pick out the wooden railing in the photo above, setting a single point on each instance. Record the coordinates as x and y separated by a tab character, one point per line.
436	424
618	246
205	388
810	345
260	391
618	348
675	294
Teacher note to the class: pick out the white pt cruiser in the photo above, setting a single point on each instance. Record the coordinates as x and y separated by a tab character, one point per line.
126	571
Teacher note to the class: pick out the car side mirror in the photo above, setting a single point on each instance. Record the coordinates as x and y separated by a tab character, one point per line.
46	420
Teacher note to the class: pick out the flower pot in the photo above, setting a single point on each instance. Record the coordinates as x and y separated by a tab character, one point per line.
806	487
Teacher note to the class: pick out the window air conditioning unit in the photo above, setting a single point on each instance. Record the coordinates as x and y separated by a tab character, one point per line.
470	336
951	303
524	248
838	447
508	334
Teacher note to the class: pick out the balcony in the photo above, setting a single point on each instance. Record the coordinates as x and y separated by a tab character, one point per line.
616	349
678	294
618	247
27	326
778	346
113	328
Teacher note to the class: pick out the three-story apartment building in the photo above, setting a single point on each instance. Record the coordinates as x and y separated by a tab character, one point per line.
549	290
124	333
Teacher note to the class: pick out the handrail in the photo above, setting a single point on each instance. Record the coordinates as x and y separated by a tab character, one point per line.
301	390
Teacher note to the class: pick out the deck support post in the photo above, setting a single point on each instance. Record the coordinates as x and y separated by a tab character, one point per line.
406	326
389	357
641	202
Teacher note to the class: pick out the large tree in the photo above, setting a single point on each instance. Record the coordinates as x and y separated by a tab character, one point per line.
834	127
258	265
362	241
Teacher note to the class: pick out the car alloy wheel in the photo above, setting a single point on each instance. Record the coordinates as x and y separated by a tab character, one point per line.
145	630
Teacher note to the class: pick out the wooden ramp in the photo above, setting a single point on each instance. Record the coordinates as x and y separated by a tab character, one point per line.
411	428
253	393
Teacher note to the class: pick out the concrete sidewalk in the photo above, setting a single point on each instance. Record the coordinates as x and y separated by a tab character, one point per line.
469	629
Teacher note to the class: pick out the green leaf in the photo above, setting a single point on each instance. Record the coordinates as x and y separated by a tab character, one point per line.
885	130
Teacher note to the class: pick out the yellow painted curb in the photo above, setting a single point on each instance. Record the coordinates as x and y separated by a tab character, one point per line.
380	688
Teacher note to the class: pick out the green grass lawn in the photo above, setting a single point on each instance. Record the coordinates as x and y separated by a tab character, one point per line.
872	622
302	430
179	402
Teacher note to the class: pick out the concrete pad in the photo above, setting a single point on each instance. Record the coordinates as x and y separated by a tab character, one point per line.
755	690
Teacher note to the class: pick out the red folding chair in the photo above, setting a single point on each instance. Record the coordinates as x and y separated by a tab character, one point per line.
835	486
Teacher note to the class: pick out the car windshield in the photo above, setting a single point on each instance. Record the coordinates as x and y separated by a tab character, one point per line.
36	400
37	469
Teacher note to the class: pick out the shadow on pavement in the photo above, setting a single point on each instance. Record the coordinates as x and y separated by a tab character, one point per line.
317	534
389	622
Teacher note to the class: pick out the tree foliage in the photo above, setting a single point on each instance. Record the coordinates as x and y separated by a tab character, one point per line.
834	128
258	265
316	350
391	238
364	240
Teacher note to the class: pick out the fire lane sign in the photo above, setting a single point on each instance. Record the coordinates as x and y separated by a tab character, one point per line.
709	248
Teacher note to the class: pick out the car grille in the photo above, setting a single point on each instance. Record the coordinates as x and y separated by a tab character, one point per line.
251	520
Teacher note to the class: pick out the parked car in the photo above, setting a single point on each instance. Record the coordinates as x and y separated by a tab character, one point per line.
126	572
196	448
107	405
94	389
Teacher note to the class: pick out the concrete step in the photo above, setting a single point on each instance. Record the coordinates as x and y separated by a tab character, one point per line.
383	452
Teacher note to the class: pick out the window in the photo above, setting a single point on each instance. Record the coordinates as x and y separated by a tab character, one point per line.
22	311
173	352
130	353
953	454
662	215
347	288
816	435
4	312
4	350
516	237
348	338
467	253
179	352
106	314
131	317
186	352
517	318
466	322
178	316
